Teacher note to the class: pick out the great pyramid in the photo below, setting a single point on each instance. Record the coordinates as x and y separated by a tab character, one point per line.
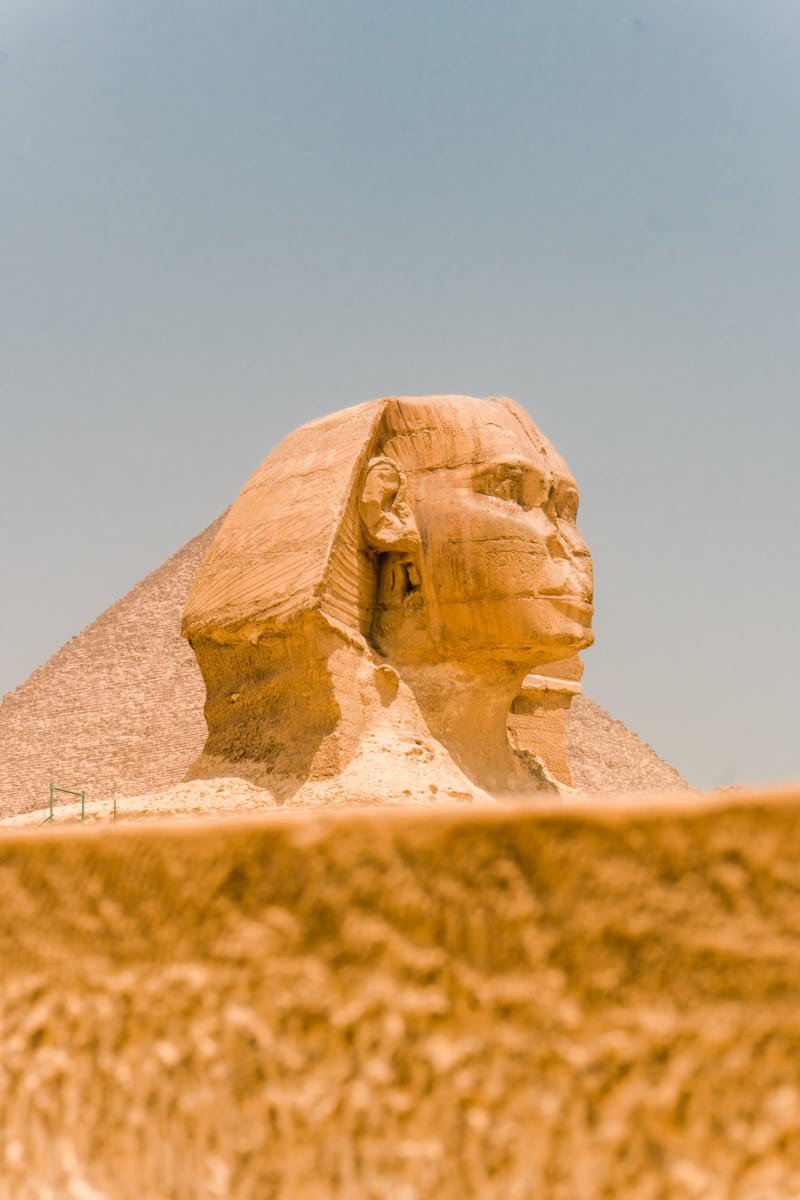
118	710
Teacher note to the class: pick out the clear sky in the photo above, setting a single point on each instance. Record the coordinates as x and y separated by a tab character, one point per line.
221	218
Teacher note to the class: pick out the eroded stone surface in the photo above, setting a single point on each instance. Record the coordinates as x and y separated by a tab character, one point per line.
374	599
118	710
438	1005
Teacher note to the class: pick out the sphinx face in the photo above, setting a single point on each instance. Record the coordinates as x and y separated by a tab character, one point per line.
504	571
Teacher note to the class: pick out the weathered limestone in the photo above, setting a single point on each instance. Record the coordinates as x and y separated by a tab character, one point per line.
373	601
562	1003
537	722
118	710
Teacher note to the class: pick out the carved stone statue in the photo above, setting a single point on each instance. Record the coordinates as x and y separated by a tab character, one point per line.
377	594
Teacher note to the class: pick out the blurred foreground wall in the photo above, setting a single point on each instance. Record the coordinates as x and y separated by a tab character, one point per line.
404	1005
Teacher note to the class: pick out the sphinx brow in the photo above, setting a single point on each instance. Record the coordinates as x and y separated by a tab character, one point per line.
468	464
512	464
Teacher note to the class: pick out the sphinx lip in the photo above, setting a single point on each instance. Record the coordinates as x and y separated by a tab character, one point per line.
574	603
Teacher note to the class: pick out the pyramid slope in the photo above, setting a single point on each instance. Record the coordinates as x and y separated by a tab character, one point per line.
605	756
118	710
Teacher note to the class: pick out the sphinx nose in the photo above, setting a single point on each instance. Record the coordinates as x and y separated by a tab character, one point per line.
572	572
583	564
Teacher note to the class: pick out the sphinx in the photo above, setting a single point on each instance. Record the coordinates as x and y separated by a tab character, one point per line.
376	596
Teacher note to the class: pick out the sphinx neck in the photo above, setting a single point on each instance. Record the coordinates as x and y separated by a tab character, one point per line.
466	709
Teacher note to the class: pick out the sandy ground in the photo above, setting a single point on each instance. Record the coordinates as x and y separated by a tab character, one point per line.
230	796
206	797
451	1003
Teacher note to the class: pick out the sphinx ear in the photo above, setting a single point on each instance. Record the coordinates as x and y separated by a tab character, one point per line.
387	519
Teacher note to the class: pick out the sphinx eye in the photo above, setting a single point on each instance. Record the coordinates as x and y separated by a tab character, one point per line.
567	504
503	482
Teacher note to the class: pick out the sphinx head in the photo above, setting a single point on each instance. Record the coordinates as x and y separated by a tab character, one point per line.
471	517
436	535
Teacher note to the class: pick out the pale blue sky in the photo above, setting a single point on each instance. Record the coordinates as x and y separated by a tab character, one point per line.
220	219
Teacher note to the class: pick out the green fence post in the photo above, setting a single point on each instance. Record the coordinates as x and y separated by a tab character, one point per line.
67	792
